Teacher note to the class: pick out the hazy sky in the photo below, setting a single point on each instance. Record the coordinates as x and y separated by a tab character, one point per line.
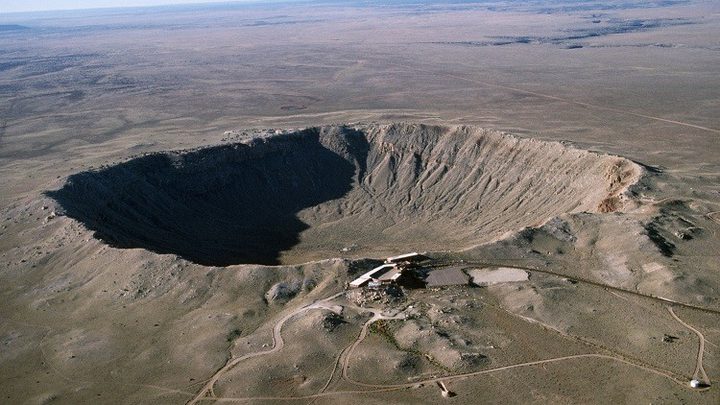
8	6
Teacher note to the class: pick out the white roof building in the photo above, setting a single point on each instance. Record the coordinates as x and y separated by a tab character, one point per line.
371	275
406	256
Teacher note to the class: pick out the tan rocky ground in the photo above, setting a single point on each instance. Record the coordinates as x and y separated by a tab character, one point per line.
576	143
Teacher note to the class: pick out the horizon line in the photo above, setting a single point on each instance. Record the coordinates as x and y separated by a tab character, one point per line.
161	5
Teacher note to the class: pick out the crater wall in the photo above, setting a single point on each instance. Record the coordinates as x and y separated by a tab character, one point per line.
341	190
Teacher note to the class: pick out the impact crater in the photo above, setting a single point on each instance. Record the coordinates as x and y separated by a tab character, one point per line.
341	190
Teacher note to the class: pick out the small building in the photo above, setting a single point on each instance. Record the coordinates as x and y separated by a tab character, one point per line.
695	383
359	282
407	257
372	275
377	272
391	276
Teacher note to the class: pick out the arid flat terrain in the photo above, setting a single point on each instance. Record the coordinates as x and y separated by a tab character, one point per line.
187	192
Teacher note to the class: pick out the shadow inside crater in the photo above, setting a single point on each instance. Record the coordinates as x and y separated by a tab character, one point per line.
219	206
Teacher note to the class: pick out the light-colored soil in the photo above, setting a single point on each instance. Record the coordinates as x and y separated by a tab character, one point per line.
485	277
575	143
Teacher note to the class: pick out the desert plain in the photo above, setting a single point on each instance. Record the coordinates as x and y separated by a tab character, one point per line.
187	192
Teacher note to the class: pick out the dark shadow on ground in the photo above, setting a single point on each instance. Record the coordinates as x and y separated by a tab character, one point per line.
219	206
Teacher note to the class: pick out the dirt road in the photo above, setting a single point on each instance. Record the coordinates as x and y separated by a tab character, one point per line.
397	387
277	345
206	393
699	373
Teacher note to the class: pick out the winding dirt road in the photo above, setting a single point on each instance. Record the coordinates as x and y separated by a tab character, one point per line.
699	373
397	387
363	333
712	215
206	393
277	345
